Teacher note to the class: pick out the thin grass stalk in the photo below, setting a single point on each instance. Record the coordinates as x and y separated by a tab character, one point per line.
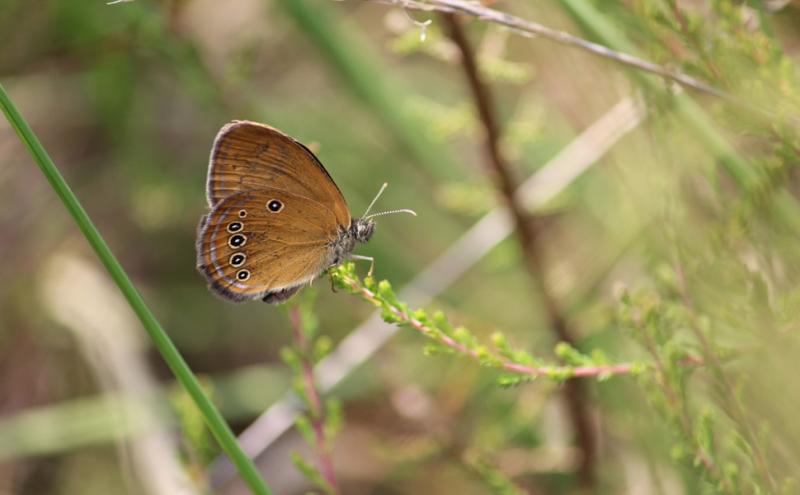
532	29
161	340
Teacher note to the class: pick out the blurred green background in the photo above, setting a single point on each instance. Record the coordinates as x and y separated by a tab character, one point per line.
127	99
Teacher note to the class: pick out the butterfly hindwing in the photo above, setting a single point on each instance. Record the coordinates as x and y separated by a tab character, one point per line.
264	243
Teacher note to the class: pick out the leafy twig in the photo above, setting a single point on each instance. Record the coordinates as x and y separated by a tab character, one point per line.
519	365
693	38
644	319
728	392
302	358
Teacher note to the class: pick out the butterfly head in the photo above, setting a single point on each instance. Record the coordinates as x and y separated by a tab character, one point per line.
362	229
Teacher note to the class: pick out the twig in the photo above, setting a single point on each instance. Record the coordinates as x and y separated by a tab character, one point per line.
728	394
678	406
531	29
574	391
405	316
316	411
693	38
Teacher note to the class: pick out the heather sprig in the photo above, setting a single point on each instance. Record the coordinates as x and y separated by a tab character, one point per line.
322	418
516	366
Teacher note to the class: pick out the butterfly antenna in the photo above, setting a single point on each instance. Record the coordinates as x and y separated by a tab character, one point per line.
375	199
404	210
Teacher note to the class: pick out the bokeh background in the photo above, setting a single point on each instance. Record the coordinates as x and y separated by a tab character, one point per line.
127	99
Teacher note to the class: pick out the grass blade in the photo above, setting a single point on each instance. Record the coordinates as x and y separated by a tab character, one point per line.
160	339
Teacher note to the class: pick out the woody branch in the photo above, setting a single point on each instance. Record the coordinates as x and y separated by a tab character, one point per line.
574	391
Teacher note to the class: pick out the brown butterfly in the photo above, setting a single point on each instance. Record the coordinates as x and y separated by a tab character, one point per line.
277	218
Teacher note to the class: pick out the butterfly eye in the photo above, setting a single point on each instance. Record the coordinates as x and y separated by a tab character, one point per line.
237	259
243	275
235	227
237	240
274	206
242	213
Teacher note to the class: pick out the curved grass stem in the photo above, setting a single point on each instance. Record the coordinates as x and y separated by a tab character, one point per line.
216	423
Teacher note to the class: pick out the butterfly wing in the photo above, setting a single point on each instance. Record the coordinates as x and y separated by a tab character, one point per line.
265	244
248	155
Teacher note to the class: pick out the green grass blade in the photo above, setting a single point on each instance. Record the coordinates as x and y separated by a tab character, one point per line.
179	368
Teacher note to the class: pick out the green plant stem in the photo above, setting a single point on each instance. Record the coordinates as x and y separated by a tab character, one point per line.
160	339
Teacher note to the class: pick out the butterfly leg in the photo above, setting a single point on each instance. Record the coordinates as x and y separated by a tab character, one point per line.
365	258
333	286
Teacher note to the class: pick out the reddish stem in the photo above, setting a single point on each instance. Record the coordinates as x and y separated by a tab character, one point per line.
316	410
504	363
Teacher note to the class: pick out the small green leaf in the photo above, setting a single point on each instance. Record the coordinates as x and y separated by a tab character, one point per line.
388	314
303	425
559	374
436	349
508	380
464	337
501	343
441	323
310	472
290	357
705	431
420	315
334	418
385	291
322	347
486	358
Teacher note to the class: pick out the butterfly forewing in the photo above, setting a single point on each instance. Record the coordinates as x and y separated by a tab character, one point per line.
257	242
249	156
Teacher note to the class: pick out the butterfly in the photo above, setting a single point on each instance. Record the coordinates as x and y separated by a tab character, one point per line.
277	219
